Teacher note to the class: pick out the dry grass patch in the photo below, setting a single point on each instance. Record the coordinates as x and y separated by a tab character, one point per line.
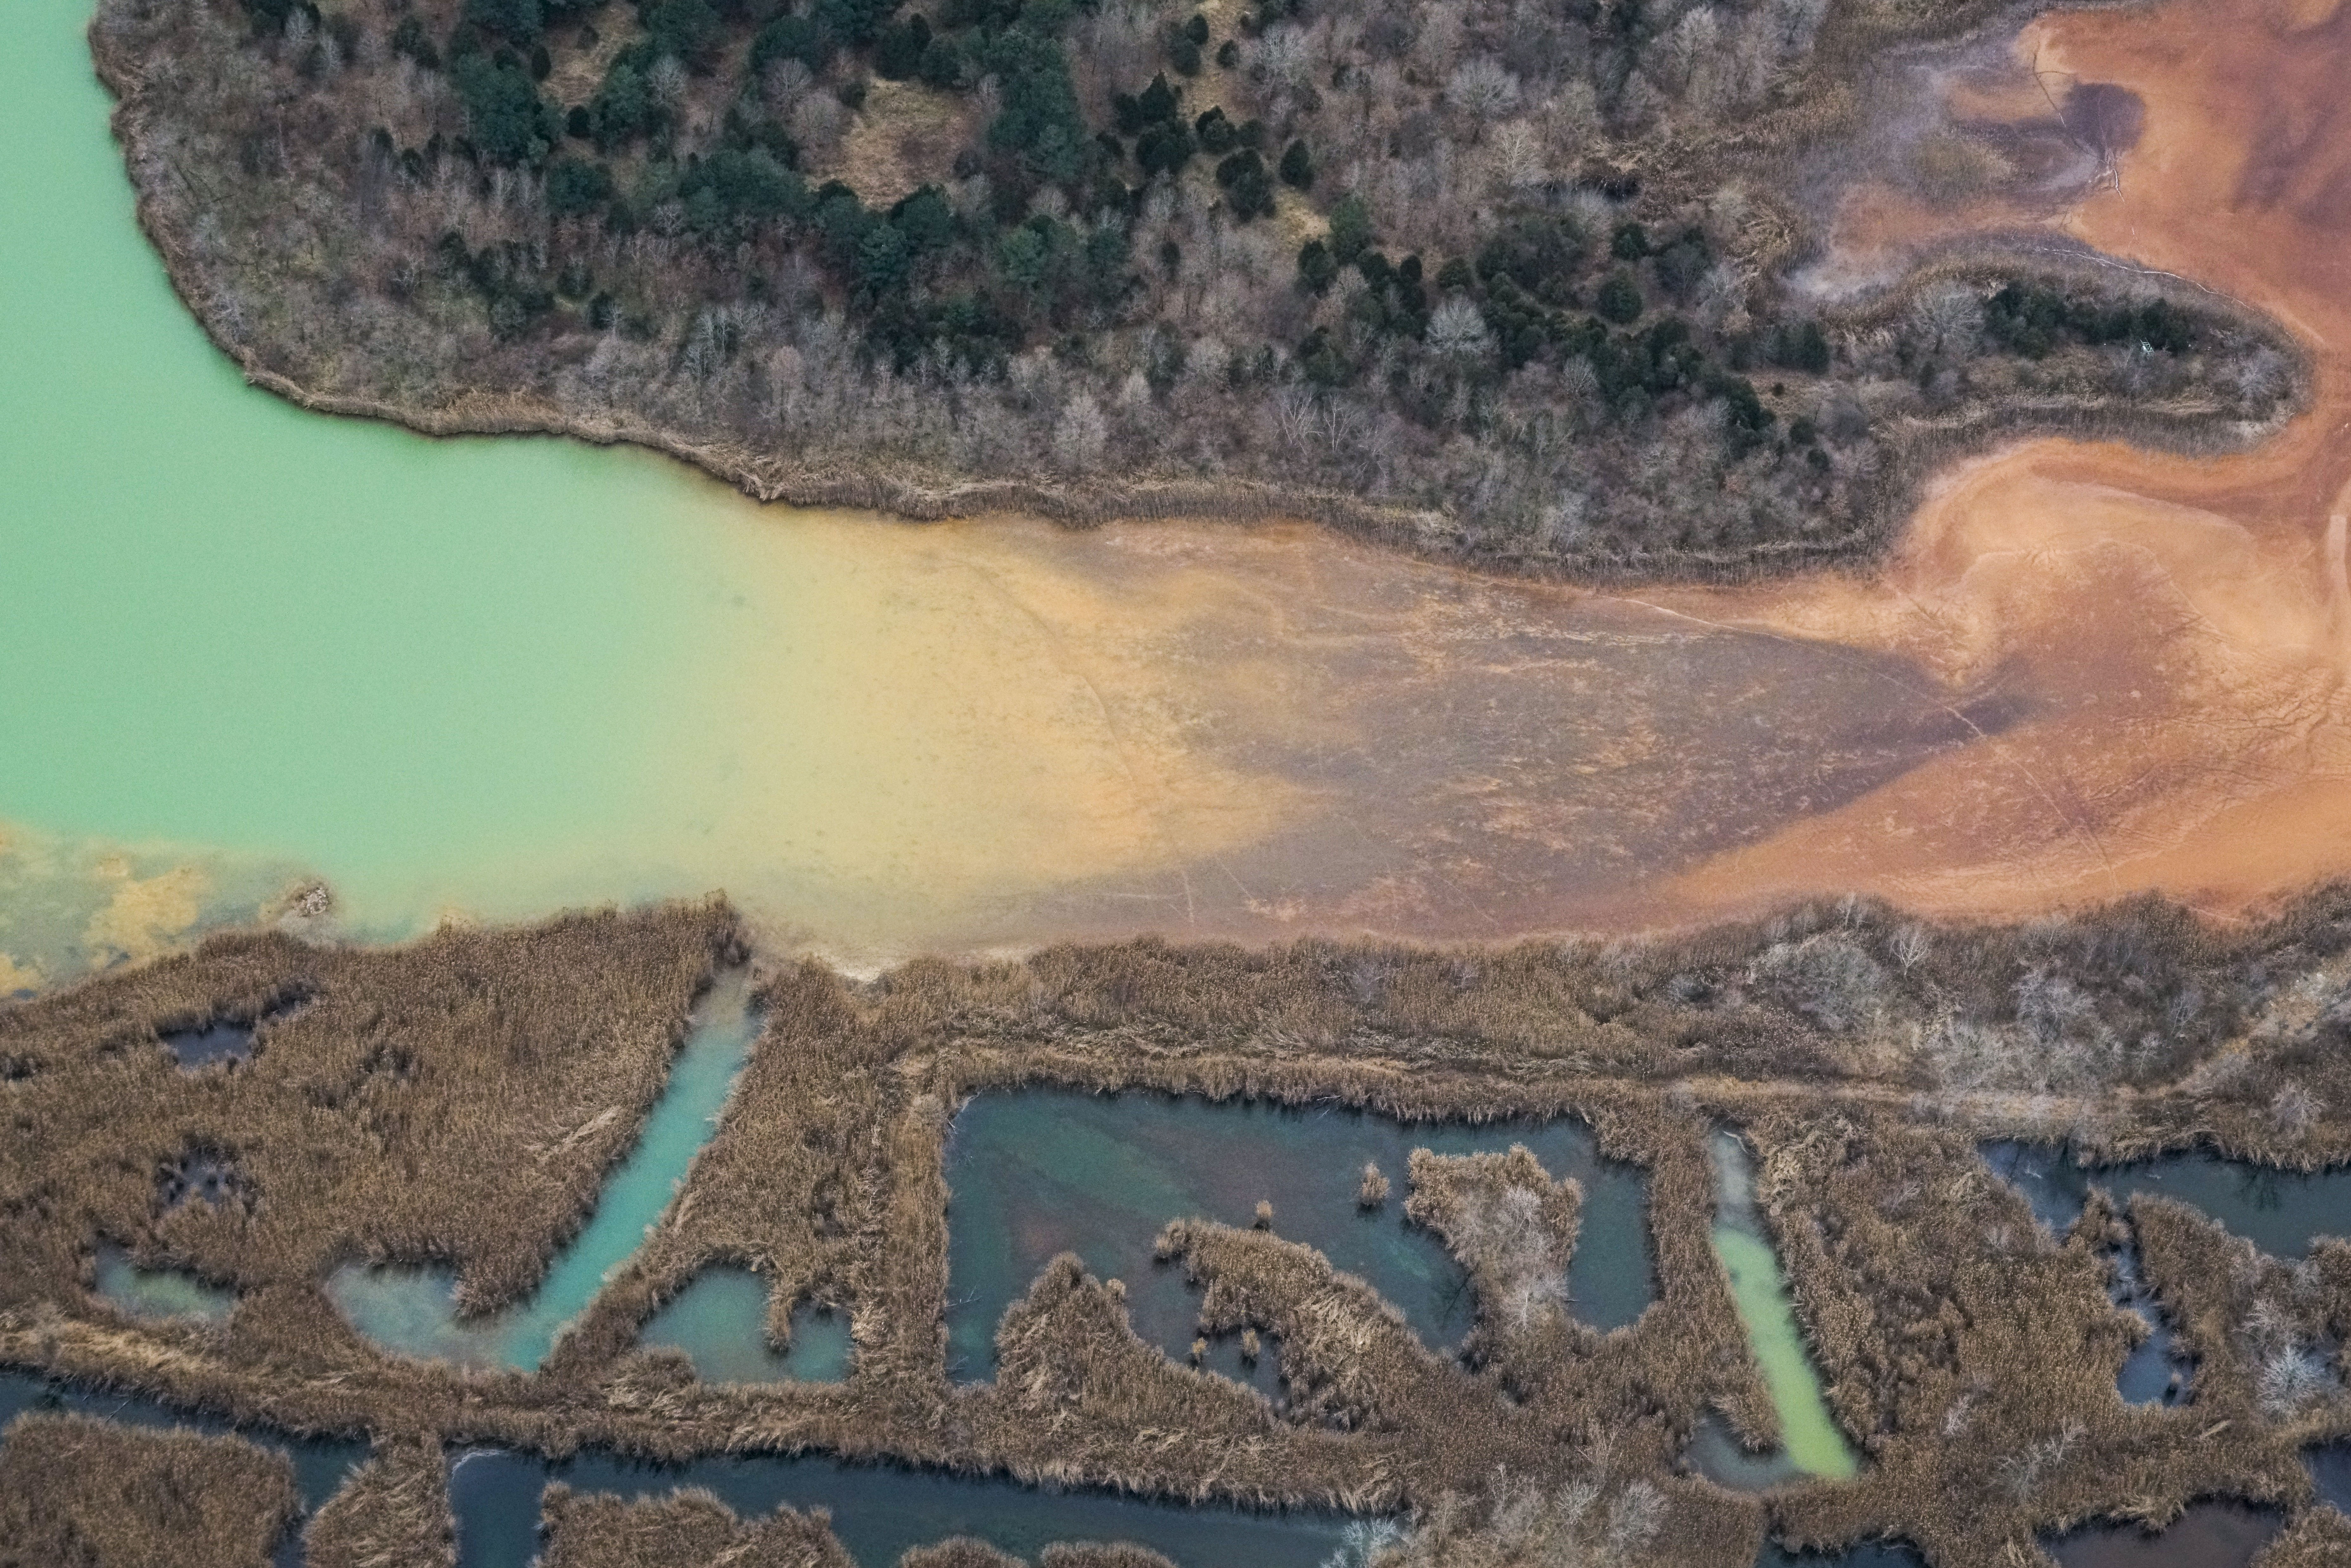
74	1490
393	1511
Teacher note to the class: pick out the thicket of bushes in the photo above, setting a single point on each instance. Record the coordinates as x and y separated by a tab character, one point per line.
1510	268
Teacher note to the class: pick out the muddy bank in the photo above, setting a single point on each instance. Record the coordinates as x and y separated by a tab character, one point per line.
2177	625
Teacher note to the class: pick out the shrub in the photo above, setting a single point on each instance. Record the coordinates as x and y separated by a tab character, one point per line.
1619	300
509	122
1298	166
1316	266
574	186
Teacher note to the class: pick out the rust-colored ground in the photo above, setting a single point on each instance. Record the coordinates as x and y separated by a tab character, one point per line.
2176	627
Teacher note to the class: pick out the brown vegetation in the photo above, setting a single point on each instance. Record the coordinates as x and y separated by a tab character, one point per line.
1860	1055
74	1490
456	1100
392	1512
688	1528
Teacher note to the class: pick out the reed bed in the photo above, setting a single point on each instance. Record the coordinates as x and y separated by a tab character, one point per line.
1969	1358
76	1490
393	1512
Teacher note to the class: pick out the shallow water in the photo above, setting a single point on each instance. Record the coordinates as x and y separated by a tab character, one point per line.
160	1292
1812	1444
414	1311
1038	1173
2330	1471
2207	1535
720	1322
1873	1555
195	1048
878	1511
2280	1212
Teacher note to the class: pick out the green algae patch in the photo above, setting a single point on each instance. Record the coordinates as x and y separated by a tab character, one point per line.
1809	1434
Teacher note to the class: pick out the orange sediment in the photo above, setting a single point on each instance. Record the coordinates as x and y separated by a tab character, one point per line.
2176	627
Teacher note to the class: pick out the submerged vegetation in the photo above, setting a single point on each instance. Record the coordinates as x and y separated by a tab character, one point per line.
448	1101
1488	280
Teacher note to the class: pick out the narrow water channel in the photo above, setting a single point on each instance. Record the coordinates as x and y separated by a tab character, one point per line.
414	1311
879	1511
1812	1444
1038	1173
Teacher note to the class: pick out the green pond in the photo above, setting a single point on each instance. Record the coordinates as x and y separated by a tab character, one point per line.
1811	1443
414	1310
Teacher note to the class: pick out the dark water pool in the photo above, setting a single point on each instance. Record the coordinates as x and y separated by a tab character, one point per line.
878	1511
2208	1535
1038	1173
195	1048
2280	1212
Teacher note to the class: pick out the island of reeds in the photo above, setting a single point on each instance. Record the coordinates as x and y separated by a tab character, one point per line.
1515	283
460	1100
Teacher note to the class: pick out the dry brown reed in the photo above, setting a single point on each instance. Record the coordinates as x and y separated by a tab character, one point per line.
391	1512
2319	1538
76	1490
687	1529
1969	1357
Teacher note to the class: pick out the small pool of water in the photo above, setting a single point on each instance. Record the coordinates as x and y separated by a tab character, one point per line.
414	1311
2207	1535
319	1464
2280	1212
881	1510
2330	1472
1812	1444
198	1178
720	1322
160	1292
1872	1554
1040	1172
195	1047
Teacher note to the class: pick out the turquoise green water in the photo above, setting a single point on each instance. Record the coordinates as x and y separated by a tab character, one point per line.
414	1311
720	1322
160	1292
240	644
1810	1441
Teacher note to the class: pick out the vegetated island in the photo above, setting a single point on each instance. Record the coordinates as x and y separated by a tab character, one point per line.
1490	280
462	1098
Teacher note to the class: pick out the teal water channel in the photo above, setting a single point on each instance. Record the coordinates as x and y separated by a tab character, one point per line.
1038	1173
412	1310
1812	1445
160	1292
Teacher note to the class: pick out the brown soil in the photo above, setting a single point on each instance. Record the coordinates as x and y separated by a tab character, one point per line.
2177	626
